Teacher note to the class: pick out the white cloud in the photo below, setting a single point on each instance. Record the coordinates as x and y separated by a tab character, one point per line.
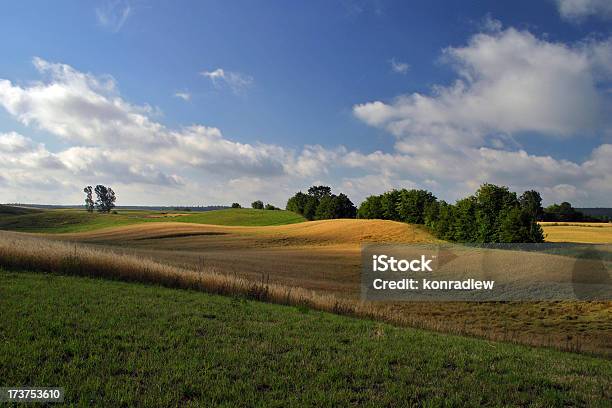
578	10
508	83
113	14
449	141
186	96
399	67
236	81
114	141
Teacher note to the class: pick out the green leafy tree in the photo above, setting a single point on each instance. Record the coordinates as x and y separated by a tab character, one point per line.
518	225
297	203
563	212
491	200
236	205
89	202
371	208
412	203
389	202
270	207
332	207
325	209
443	224
464	228
344	207
531	201
106	198
310	208
257	204
431	213
319	192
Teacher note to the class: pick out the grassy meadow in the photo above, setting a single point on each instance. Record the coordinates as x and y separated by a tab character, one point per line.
77	220
325	277
126	309
112	343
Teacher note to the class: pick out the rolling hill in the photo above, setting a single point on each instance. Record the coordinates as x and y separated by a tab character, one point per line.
66	221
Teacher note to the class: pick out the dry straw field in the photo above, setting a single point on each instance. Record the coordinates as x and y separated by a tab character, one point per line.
583	232
316	264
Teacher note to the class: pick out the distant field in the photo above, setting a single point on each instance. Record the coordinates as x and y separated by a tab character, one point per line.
69	220
324	256
583	232
118	344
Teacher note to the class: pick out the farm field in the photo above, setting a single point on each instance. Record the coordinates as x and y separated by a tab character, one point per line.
583	232
324	256
112	343
72	220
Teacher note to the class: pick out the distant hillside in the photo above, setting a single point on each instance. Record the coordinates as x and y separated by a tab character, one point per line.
125	207
596	212
11	210
72	220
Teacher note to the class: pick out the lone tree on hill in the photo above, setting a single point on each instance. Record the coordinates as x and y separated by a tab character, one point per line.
258	205
106	198
236	205
89	202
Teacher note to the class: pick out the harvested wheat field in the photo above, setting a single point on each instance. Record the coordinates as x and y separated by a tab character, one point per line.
324	256
582	232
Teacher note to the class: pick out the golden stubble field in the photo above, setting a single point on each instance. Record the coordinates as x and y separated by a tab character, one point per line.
324	256
583	232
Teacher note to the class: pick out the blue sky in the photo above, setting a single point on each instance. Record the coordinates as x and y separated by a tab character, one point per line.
286	94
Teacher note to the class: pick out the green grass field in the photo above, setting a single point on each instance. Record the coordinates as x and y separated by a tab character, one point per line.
121	344
61	221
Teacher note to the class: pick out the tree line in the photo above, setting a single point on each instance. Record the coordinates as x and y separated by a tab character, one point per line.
564	212
257	205
492	214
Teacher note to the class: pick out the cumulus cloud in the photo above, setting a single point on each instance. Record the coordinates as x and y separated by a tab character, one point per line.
578	10
399	67
236	81
508	83
449	140
186	96
113	140
113	14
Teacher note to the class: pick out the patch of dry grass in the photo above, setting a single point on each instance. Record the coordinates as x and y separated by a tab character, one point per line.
486	320
581	232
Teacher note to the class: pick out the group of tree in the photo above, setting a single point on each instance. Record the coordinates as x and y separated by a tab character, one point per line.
492	214
564	212
105	198
320	204
259	205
